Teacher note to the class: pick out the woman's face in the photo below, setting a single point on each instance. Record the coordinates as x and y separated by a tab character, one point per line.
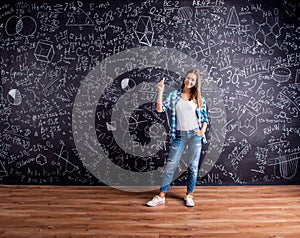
190	80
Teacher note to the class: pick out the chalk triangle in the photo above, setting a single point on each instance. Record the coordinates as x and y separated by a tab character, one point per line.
232	19
111	127
198	37
79	18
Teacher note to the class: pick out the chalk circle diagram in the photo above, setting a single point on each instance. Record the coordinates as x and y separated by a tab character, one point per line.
14	97
93	86
281	74
22	26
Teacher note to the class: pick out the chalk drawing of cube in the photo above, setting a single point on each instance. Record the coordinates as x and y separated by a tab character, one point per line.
44	52
247	123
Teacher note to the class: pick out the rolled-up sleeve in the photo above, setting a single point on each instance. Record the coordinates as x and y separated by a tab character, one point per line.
204	111
166	102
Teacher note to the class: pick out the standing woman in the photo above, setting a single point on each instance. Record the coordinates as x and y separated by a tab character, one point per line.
188	125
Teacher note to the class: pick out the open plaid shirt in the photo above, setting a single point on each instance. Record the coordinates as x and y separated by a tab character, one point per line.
170	103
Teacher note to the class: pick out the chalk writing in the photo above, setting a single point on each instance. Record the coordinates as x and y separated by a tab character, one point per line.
112	54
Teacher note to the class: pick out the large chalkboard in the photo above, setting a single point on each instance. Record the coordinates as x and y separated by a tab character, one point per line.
78	90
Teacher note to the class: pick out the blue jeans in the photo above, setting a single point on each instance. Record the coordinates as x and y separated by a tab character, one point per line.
194	143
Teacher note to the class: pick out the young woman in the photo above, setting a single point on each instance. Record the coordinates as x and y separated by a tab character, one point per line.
188	125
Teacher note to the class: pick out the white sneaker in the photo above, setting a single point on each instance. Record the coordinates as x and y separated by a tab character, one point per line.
189	202
156	200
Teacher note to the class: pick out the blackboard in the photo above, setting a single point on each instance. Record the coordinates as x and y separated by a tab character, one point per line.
78	90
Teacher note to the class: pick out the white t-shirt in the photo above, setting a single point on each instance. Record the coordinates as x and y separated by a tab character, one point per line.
186	115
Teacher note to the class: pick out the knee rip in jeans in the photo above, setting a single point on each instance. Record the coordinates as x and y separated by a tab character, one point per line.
170	166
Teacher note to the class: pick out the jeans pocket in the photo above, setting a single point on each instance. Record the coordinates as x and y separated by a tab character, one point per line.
178	135
195	132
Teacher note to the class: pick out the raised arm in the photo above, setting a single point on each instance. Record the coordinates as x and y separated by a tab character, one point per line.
160	87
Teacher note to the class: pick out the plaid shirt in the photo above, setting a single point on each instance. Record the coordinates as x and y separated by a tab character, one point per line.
170	103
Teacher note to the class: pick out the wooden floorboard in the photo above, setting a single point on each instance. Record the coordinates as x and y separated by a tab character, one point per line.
91	211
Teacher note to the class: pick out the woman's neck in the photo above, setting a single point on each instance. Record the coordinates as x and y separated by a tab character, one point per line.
186	91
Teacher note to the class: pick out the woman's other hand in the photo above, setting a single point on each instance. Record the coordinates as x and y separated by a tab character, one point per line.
199	132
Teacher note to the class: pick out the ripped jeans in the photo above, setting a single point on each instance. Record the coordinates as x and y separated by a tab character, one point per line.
194	143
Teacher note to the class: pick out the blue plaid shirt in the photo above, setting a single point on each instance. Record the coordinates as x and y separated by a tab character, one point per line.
170	103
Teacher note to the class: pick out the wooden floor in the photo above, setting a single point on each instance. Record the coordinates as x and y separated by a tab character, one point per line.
221	211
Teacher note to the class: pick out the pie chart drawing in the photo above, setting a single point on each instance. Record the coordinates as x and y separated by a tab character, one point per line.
14	97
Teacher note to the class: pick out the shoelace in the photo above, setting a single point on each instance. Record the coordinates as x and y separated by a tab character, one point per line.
189	197
157	198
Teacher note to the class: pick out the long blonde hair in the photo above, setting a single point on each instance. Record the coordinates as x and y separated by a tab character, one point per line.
196	90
